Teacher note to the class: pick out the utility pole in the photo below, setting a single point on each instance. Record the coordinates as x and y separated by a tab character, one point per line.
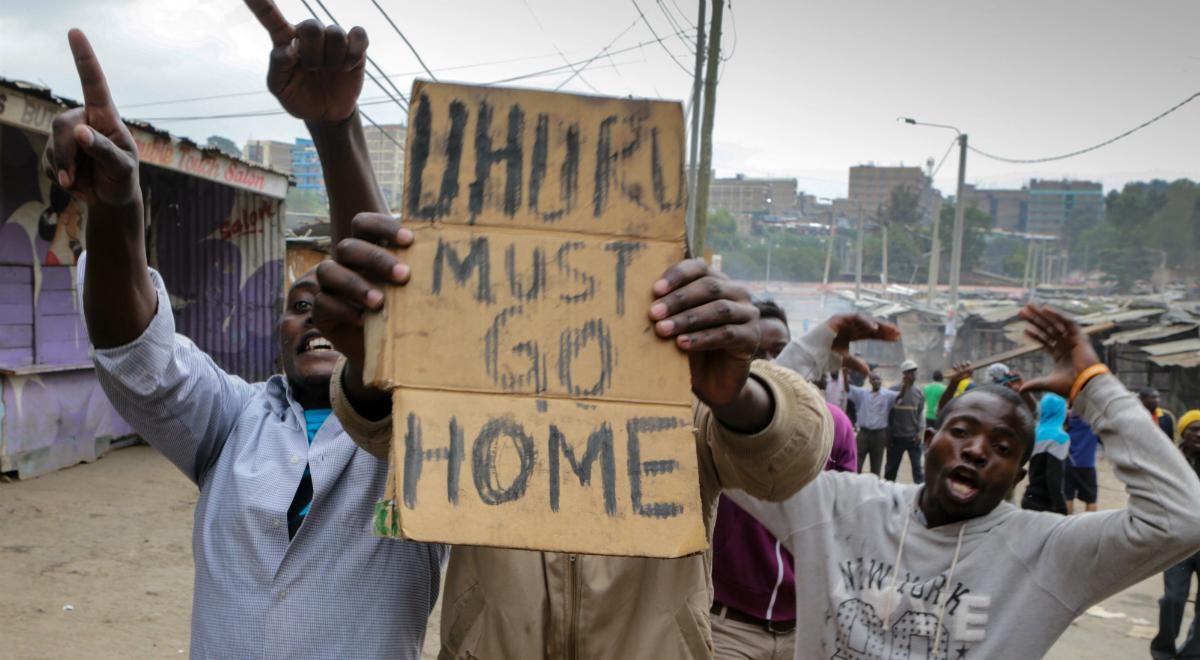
704	176
858	258
960	206
694	147
935	255
829	246
884	274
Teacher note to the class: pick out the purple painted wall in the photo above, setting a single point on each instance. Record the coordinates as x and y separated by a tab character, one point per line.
52	420
219	250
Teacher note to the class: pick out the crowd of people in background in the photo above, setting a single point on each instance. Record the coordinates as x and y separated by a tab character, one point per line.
876	427
285	566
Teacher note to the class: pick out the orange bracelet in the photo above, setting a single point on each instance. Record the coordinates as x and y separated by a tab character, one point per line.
1082	379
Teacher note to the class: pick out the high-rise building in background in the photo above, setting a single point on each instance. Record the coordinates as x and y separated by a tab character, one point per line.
385	144
269	153
1054	205
306	168
871	189
1009	209
765	197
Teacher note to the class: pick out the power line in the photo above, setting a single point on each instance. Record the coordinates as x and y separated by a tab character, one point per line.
579	71
260	91
1094	147
406	41
403	106
683	17
378	100
386	134
733	24
691	50
660	39
574	71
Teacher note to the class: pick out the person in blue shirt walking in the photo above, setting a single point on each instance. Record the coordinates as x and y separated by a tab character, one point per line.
1080	481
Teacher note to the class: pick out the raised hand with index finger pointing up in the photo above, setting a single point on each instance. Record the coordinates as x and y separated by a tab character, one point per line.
315	71
91	152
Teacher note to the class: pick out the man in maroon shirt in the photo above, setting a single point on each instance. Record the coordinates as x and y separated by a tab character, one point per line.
754	609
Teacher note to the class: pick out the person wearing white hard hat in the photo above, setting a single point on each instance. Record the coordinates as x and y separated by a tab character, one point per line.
906	425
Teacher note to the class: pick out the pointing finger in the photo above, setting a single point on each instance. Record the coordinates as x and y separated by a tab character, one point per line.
96	97
270	17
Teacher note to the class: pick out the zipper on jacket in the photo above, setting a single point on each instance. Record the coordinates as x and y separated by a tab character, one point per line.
573	600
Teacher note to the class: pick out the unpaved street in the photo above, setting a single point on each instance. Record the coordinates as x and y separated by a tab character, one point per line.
113	541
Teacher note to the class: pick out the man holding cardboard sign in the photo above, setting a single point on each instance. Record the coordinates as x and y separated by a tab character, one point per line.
533	407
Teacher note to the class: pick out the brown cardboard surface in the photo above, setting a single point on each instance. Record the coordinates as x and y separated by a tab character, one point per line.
541	221
565	162
480	469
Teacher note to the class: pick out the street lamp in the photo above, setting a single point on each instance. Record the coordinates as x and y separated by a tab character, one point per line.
959	208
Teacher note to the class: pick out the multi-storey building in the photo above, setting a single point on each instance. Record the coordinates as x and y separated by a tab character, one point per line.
871	189
306	168
765	197
1053	204
1009	208
385	144
269	153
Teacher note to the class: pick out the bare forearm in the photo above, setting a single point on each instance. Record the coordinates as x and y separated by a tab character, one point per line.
751	412
349	177
118	296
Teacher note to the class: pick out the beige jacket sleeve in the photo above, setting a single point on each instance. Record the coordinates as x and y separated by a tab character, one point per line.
375	437
781	459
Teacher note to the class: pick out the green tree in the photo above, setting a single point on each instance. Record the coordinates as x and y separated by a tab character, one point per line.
976	226
305	201
225	145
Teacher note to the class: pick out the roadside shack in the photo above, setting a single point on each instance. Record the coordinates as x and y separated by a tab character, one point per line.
215	232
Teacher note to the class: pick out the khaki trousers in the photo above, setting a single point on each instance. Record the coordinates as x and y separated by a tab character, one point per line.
734	640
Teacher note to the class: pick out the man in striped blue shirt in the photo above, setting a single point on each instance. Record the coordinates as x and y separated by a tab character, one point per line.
286	565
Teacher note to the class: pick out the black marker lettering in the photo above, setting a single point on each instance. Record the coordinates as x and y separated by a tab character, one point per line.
572	342
485	157
567	270
537	279
599	445
483	461
625	251
637	468
478	258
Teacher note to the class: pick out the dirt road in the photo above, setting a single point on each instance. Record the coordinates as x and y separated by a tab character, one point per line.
113	541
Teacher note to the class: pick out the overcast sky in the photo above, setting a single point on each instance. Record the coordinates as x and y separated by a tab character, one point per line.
810	87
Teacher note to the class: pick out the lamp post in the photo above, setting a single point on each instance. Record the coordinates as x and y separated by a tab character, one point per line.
832	239
959	209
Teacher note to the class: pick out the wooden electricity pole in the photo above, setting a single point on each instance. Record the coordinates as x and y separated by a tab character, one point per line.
704	180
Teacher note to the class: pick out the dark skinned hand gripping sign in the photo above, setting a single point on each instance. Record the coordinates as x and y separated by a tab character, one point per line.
533	405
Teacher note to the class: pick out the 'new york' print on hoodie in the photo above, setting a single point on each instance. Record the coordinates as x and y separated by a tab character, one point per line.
879	585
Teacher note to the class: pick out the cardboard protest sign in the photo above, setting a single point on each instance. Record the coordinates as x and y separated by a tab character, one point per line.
533	405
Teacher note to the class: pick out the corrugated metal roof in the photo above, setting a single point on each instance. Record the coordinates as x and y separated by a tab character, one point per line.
998	314
1188	359
1170	347
1121	316
1146	334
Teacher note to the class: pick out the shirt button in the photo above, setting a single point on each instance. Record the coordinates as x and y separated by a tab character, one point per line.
282	595
295	459
276	524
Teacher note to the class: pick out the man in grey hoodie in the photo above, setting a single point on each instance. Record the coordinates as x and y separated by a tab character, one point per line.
950	570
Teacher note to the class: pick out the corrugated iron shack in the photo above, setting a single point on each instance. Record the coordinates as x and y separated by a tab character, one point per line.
215	232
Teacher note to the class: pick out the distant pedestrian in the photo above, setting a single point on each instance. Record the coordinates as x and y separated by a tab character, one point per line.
933	393
874	406
1049	460
906	425
1150	400
1177	580
1080	482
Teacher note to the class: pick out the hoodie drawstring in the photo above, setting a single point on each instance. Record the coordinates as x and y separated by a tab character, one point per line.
891	592
937	638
